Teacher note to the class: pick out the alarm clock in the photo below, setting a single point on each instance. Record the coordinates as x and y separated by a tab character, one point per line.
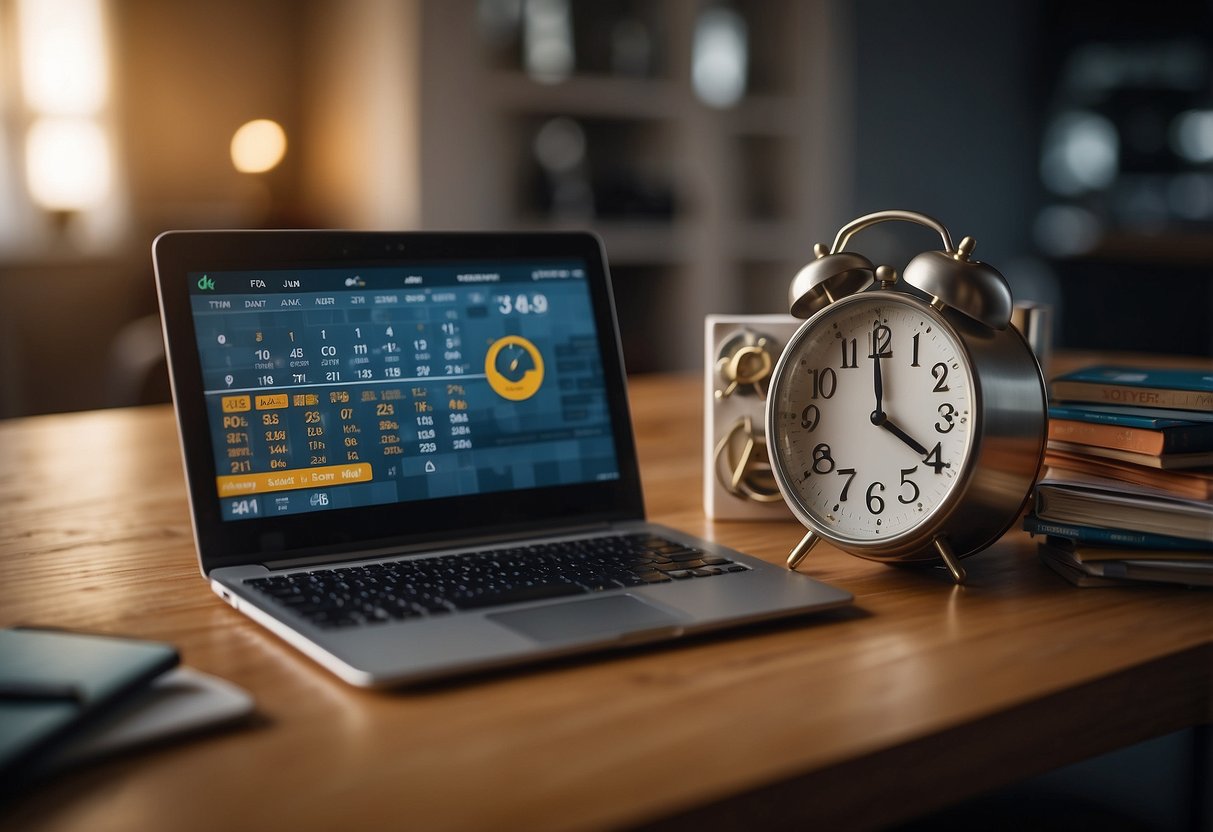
906	418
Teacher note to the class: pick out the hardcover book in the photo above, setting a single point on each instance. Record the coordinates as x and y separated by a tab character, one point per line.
1075	574
1184	572
1086	553
1137	386
1100	536
1196	483
1086	505
1129	416
1174	438
1196	459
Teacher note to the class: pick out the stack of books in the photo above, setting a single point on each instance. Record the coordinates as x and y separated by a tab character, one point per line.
1128	490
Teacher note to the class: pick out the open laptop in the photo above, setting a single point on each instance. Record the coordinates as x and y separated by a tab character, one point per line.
410	456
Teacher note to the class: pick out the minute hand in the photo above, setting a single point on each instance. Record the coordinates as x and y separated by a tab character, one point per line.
882	420
877	384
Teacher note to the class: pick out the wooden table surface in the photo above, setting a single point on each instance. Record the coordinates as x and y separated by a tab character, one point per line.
923	693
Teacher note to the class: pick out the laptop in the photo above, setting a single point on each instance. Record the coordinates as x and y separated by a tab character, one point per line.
409	455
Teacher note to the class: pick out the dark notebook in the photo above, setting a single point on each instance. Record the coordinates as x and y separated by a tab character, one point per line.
52	682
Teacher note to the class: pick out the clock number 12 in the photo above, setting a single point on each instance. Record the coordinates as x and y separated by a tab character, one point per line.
882	342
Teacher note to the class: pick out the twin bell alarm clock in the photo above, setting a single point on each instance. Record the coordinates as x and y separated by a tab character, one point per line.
906	419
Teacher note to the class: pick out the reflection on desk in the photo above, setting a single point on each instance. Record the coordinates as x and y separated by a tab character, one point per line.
923	694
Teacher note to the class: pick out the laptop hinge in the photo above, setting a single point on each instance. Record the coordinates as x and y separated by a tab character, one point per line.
478	541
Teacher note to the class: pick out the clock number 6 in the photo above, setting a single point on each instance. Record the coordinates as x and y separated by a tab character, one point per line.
875	501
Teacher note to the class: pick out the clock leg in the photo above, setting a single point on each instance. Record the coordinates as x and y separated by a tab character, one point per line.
949	559
802	549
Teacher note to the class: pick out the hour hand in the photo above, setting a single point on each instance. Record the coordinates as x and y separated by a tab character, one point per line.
882	420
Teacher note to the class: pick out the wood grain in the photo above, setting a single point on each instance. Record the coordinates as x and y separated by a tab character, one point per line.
924	692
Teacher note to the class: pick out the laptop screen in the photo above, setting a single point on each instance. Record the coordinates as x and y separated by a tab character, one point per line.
334	388
342	388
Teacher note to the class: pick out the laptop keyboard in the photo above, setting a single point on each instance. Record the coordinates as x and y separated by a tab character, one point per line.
398	590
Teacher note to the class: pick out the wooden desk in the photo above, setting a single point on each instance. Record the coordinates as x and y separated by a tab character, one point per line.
921	695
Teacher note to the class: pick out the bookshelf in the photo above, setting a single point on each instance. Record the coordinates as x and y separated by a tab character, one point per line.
702	209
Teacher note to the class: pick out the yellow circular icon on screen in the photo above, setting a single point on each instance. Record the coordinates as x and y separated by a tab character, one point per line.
514	368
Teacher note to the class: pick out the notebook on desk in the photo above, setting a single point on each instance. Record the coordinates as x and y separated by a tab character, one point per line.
410	455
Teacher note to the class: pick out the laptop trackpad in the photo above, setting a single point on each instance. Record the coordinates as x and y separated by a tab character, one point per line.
586	619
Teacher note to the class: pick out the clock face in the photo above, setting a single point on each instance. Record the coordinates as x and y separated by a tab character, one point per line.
871	418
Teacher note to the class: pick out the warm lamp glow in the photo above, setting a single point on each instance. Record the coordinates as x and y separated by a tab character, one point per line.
63	61
258	146
67	163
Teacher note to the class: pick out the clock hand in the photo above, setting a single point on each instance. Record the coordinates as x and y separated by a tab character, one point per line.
879	417
877	383
882	420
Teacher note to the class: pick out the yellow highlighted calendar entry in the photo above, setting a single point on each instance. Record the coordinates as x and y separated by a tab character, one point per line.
273	401
236	485
236	404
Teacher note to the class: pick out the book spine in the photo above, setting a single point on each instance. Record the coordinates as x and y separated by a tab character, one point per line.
1113	537
1154	572
1085	391
1139	440
1151	418
1183	484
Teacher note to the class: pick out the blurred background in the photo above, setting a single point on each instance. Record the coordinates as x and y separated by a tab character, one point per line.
710	143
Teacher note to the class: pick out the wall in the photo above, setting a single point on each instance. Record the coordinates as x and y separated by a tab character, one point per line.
945	122
188	75
952	103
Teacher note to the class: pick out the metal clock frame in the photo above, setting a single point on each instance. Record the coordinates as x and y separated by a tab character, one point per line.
1007	438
